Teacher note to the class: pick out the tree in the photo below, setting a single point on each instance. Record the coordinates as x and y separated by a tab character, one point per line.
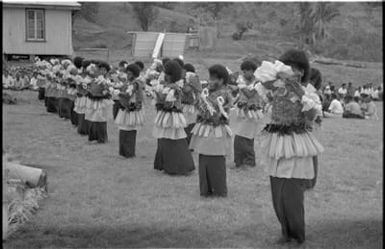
324	12
313	20
89	10
146	13
214	9
306	23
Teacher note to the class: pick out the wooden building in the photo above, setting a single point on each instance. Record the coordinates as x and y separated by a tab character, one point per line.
38	28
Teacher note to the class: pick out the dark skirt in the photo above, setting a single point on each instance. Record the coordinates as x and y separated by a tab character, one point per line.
41	93
188	130
174	157
65	106
74	115
288	203
52	105
45	101
115	108
97	131
82	124
212	175
244	151
127	143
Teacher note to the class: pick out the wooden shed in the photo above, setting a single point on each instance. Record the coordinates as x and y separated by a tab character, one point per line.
38	28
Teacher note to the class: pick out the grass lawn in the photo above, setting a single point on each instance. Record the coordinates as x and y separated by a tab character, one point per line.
98	199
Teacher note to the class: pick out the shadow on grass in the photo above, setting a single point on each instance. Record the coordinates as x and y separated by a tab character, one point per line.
328	234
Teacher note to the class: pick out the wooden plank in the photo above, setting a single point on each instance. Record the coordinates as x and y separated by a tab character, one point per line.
158	46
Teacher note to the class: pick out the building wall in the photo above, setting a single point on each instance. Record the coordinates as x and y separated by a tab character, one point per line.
58	28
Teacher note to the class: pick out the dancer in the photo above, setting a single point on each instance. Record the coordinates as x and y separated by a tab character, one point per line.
191	90
248	117
211	136
130	116
98	103
81	100
172	155
289	145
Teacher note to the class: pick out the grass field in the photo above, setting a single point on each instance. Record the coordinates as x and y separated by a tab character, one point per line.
100	200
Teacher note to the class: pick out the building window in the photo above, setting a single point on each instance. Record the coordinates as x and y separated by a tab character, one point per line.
35	25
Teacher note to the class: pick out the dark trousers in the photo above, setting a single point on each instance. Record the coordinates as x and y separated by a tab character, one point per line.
244	151
127	143
74	115
352	115
45	101
97	131
288	196
174	157
82	124
212	175
52	105
115	108
188	130
65	106
41	93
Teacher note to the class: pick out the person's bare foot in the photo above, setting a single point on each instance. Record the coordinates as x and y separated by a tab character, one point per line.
283	240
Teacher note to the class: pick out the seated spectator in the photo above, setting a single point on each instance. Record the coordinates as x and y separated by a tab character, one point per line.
342	91
327	90
326	102
364	91
33	82
376	94
352	108
370	109
335	109
350	90
7	80
357	93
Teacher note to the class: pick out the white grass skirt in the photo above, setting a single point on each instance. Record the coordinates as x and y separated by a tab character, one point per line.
278	146
170	120
210	140
130	120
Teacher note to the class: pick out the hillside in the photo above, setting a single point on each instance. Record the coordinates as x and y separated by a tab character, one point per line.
354	35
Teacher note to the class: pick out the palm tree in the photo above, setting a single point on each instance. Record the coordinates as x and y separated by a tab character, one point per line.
323	13
306	23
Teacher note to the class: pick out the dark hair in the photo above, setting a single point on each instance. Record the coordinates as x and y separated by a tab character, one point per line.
343	84
78	61
105	65
189	67
85	63
356	98
219	72
298	59
173	70
315	78
165	60
134	69
348	99
140	65
248	65
121	63
334	96
180	62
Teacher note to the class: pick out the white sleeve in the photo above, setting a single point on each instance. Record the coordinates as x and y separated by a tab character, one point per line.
311	100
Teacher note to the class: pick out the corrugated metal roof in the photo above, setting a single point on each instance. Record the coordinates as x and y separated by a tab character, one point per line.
70	5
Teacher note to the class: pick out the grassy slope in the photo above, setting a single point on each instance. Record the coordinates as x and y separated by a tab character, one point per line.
355	34
98	199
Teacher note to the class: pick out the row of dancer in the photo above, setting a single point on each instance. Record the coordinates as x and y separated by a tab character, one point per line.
190	118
